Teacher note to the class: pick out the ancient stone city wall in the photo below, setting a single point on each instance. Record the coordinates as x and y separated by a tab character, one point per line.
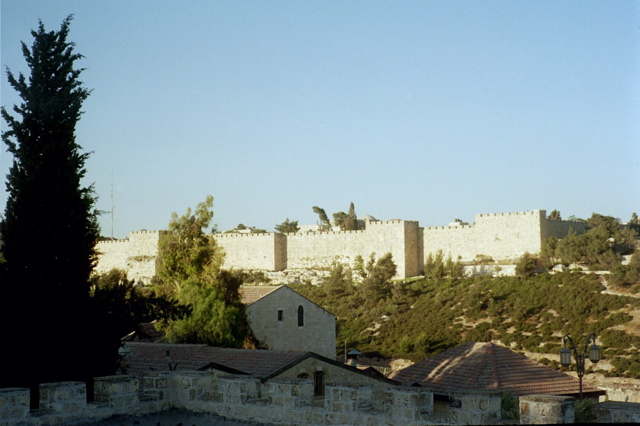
254	251
137	255
317	250
502	236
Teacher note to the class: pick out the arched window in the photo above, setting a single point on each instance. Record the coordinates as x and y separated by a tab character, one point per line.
300	316
318	383
303	376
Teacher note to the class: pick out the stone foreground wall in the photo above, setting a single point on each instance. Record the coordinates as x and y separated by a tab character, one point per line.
546	409
282	402
242	398
504	236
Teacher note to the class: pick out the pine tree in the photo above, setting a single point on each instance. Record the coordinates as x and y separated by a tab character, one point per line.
50	227
351	221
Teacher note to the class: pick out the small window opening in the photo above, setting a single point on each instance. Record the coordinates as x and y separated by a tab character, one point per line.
318	383
280	315
300	316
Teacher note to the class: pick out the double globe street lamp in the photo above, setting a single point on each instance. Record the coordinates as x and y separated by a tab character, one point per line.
592	352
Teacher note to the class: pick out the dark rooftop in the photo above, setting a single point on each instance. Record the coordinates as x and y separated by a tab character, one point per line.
146	357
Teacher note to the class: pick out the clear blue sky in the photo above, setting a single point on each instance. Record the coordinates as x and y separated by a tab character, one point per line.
419	110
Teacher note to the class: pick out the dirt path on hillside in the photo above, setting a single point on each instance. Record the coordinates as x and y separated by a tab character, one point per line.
616	292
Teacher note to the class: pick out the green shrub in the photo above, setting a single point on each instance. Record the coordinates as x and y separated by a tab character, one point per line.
509	406
585	411
425	316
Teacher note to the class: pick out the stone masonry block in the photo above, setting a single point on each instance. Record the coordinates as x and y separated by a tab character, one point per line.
14	403
618	412
365	397
290	393
108	388
239	389
545	409
63	397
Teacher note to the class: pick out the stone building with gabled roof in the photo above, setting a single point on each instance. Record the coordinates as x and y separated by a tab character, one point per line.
144	357
283	319
280	318
490	367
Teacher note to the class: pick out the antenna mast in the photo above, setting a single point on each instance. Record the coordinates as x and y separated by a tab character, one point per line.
112	205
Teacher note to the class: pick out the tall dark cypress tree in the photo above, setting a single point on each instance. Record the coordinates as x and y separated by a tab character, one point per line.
50	228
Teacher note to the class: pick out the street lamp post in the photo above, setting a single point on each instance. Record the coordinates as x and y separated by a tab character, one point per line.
592	352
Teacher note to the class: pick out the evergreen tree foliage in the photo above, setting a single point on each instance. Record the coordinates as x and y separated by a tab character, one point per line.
288	226
189	269
528	265
627	275
358	267
634	222
351	221
339	282
426	316
554	215
340	218
437	268
123	307
600	248
379	272
50	227
346	221
322	215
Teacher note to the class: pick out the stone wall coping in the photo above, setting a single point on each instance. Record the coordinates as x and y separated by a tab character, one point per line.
245	404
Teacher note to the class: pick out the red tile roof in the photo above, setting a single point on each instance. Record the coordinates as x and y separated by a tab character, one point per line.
145	357
251	293
490	367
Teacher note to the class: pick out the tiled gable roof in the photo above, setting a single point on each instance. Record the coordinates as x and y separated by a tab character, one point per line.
490	367
251	293
272	291
145	357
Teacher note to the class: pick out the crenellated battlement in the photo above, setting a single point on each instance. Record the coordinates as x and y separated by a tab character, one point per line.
118	241
241	398
389	222
501	236
244	235
324	233
449	227
526	213
279	401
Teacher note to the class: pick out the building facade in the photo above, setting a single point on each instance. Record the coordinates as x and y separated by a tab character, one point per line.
284	320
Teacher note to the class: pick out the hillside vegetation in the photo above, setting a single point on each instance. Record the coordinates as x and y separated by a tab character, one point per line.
419	318
414	319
